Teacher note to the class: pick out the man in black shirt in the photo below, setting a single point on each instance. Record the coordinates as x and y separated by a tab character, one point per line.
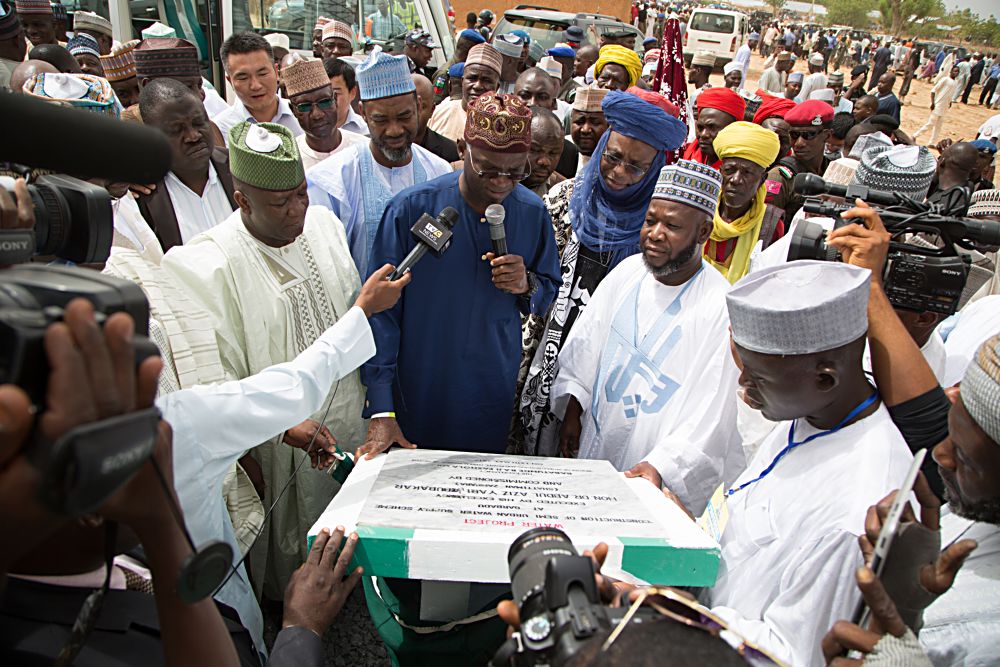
441	146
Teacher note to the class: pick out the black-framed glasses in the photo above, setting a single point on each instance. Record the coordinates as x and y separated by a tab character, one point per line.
670	604
307	107
633	170
516	176
805	135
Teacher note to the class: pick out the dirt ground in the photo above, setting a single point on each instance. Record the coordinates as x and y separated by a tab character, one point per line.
962	121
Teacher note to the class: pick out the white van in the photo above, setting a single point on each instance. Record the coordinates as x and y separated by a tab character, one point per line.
718	31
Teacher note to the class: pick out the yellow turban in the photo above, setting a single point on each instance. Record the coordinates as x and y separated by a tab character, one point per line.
619	55
748	141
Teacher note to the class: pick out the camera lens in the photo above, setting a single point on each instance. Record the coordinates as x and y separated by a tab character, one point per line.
528	556
809	242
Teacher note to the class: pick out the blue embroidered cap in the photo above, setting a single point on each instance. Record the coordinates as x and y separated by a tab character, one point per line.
382	75
562	52
83	43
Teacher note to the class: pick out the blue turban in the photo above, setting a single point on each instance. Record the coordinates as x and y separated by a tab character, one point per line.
606	220
473	36
984	145
562	52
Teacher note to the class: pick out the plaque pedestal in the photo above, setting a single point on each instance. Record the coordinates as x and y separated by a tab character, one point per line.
451	516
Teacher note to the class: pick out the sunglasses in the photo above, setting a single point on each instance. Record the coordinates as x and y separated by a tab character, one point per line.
307	107
680	609
807	135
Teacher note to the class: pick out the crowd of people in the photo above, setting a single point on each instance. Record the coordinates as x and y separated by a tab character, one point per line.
645	313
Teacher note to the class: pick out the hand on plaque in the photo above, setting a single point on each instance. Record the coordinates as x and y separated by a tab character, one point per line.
318	590
383	433
646	471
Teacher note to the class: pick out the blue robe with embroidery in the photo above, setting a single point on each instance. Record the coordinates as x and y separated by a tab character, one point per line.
448	352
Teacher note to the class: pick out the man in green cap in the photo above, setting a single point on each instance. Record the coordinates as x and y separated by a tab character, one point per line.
274	276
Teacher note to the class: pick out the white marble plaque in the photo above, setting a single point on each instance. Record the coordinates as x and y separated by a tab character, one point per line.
495	493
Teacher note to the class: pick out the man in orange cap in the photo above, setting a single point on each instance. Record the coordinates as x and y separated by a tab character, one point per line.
810	127
716	108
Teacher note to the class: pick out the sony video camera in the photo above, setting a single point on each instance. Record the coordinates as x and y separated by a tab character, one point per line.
557	596
918	277
72	222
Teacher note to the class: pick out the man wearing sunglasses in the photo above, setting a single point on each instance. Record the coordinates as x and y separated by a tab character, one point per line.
197	192
358	182
810	128
314	104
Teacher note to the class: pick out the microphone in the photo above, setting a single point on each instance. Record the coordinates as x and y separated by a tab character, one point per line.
431	234
812	185
129	152
495	215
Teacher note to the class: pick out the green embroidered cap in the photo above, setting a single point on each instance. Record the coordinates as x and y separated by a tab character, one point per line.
265	156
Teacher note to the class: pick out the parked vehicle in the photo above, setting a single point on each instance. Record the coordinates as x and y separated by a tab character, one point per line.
546	25
719	31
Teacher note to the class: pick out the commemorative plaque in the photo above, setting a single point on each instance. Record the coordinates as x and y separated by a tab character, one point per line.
451	516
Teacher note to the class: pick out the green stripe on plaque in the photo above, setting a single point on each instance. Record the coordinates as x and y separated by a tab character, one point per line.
382	550
658	562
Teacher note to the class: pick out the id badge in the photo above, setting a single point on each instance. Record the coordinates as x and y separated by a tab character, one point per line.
716	515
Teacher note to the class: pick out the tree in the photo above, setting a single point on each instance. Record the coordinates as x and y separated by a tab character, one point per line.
896	13
776	5
848	12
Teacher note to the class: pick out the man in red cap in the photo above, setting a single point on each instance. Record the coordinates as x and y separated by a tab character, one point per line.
810	127
716	108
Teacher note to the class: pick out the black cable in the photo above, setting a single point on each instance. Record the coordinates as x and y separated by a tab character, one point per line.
174	509
308	450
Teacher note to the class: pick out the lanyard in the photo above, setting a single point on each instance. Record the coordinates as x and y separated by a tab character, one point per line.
865	404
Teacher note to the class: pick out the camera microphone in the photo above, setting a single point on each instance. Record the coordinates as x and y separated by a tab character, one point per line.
495	214
129	152
432	234
811	185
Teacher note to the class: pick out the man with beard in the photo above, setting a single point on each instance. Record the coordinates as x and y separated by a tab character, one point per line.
311	98
810	127
587	122
642	374
960	623
197	193
481	75
358	182
546	149
468	304
597	217
743	216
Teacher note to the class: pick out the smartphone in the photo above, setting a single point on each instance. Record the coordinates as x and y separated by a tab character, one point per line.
889	529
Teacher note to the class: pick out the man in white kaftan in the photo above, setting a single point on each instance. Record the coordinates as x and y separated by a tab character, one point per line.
789	547
269	301
648	360
358	182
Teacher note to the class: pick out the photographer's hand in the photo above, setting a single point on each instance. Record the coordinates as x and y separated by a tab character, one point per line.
19	214
865	245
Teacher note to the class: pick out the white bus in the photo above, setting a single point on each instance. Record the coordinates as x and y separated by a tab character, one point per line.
206	23
718	31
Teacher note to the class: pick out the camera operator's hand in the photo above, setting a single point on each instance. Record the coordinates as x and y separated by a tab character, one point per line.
865	245
886	635
324	447
19	214
378	293
318	590
91	376
142	190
